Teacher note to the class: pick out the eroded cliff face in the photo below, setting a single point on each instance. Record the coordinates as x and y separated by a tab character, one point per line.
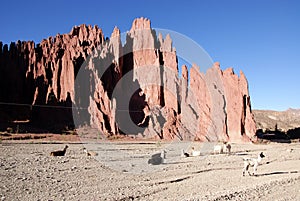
121	89
38	79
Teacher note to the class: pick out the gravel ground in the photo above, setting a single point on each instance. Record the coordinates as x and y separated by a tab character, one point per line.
121	172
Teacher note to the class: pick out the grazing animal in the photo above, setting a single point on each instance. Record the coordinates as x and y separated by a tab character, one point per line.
252	162
90	153
218	149
195	153
157	159
184	154
59	152
227	147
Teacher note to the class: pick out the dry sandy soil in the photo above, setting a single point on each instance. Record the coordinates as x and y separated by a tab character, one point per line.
121	172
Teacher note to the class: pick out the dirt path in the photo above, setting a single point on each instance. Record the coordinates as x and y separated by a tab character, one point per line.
27	172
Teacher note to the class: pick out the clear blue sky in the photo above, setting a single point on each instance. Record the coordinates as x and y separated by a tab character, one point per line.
261	37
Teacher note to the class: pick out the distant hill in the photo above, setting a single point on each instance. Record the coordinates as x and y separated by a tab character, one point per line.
285	120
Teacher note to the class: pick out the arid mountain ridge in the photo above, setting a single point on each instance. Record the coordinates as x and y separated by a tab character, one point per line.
41	82
283	120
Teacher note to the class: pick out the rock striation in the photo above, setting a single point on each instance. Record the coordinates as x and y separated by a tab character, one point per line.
81	79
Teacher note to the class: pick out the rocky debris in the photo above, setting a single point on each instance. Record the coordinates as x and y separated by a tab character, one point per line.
121	89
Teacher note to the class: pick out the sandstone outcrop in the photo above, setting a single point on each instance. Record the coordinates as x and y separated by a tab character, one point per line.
132	89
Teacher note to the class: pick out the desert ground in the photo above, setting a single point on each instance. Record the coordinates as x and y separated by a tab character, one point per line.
121	171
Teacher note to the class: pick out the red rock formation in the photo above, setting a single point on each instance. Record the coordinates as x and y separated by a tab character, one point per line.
240	121
83	69
146	56
45	74
199	94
